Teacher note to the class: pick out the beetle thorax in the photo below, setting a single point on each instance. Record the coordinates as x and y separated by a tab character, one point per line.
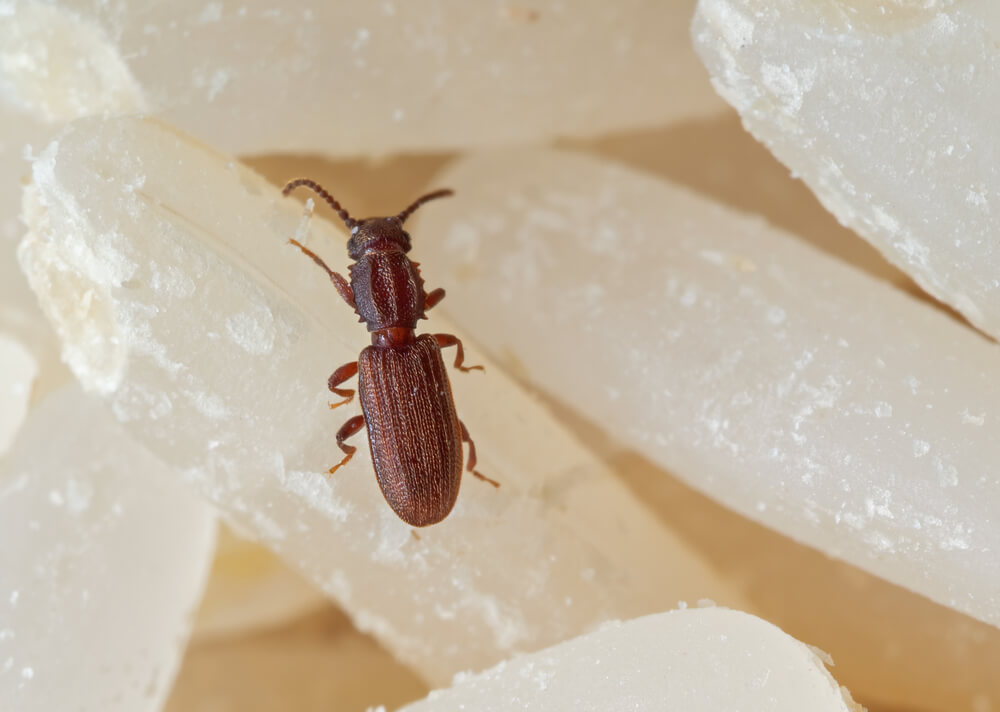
388	289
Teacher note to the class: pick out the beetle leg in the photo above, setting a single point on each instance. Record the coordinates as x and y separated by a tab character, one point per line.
348	429
471	466
344	289
342	285
348	370
446	340
433	298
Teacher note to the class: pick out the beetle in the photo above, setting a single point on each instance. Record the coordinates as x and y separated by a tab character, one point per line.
414	432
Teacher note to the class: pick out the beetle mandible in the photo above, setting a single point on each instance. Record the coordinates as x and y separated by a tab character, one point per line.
414	432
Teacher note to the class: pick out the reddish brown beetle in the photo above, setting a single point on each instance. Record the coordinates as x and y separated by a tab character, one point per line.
414	433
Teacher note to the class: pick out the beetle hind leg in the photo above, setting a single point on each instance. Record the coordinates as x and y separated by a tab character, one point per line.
351	427
471	466
348	370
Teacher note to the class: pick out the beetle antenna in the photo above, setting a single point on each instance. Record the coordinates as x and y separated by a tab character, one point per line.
321	191
444	193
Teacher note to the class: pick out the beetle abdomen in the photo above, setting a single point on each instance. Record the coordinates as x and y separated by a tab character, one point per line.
413	429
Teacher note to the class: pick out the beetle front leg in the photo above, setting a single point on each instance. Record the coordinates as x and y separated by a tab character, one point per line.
342	285
432	298
348	370
471	466
351	427
446	340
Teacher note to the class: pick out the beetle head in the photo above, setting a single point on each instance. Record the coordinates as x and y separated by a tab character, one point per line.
377	234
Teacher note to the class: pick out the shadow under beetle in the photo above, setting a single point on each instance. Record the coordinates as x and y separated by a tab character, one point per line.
414	432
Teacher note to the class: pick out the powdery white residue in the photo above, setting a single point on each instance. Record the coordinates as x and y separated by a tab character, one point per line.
885	221
823	397
913	251
220	78
947	473
135	322
943	26
57	66
832	196
954	543
970	419
253	330
733	26
208	404
508	629
542	678
977	198
214	82
316	491
133	401
171	281
951	537
394	540
717	428
879	542
830	172
921	448
878	504
339	585
268	529
788	86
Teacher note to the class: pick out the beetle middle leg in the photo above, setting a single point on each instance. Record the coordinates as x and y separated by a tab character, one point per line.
432	298
471	466
348	370
351	427
446	340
